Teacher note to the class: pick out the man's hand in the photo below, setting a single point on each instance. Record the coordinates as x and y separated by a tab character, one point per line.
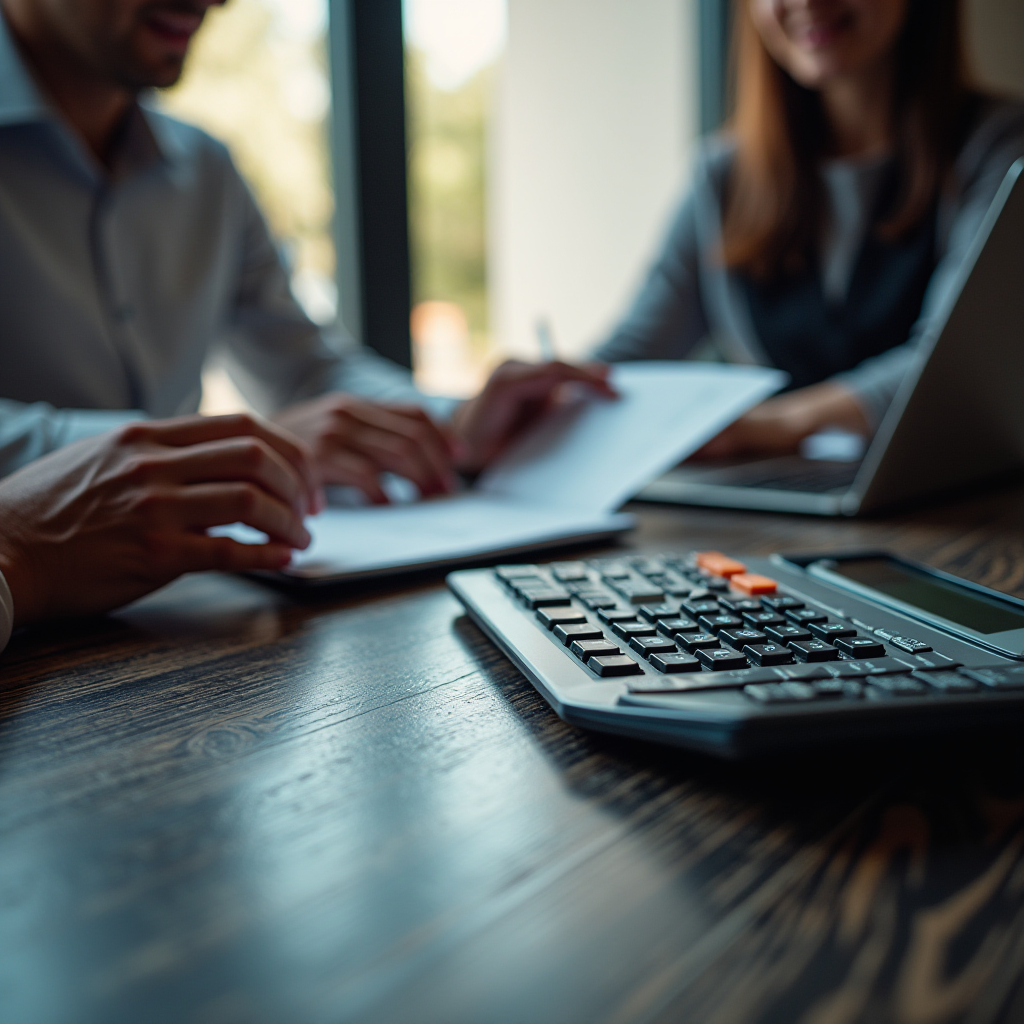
777	427
515	396
353	441
104	521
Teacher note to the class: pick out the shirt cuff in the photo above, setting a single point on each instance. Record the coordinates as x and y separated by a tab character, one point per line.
6	612
77	424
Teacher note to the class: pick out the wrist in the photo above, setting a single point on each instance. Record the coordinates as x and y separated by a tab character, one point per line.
23	601
834	406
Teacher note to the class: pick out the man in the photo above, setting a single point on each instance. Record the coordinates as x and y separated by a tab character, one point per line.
132	250
110	518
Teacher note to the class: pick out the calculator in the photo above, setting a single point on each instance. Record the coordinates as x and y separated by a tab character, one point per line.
743	656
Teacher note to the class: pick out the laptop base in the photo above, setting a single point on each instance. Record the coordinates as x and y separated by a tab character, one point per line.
787	484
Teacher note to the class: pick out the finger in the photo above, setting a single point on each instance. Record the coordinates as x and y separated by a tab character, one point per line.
540	379
247	459
347	468
398	453
190	430
200	553
406	436
201	506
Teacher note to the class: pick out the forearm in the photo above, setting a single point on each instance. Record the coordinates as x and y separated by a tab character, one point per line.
29	431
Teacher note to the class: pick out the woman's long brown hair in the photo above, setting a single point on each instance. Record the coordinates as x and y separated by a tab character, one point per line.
775	202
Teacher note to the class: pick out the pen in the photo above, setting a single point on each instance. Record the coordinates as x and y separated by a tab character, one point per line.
546	341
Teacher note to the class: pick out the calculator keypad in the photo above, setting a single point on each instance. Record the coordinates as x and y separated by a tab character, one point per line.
676	624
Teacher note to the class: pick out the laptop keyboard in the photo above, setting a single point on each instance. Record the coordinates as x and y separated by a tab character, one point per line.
686	624
817	478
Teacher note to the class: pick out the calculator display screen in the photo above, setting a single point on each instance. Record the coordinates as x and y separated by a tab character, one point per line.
931	594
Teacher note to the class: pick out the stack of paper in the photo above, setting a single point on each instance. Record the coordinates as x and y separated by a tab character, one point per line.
561	482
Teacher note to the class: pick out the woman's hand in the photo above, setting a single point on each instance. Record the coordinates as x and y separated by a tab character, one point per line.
777	427
97	524
514	397
354	440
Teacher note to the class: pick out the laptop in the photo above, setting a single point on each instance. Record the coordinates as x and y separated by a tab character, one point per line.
957	420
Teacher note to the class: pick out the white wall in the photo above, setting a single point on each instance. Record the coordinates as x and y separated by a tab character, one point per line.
597	111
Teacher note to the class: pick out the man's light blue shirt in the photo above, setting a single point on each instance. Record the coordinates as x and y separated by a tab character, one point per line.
117	286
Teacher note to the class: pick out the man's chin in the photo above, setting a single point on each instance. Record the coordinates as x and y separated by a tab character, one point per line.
154	73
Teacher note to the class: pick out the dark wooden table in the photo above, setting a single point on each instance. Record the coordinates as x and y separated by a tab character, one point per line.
229	805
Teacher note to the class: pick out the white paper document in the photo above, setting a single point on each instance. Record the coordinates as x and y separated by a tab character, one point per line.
561	482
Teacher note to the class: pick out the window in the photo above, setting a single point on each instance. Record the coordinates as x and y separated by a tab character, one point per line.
548	143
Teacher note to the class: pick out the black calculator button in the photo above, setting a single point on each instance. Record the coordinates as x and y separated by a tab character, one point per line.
909	645
860	646
766	655
740	638
672	664
780	693
806	673
696	641
653	612
577	631
948	682
544	598
597	601
569	572
614	665
785	634
694	682
703	607
999	677
639	593
896	686
718	659
742	677
615	571
852	669
648	645
868	667
830	630
610	615
781	602
803	616
677	625
839	688
716	623
551	617
628	630
739	605
514	572
931	662
762	620
813	650
648	683
584	649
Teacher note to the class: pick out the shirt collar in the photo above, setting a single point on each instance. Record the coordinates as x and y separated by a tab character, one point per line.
20	99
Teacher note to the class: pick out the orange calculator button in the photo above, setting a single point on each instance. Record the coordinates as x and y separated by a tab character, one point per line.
719	564
751	583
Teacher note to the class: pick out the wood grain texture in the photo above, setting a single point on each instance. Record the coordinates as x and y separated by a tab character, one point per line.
227	804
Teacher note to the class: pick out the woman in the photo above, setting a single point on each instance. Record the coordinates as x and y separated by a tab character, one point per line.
823	229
